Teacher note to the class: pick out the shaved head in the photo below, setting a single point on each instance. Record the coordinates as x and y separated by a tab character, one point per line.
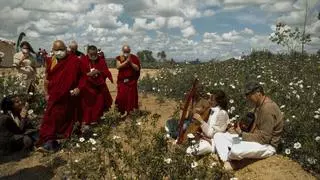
73	45
58	45
126	48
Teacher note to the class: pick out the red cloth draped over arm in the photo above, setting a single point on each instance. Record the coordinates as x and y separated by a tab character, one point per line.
95	96
61	110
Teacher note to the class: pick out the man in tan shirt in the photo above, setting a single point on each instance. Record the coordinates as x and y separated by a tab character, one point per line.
262	140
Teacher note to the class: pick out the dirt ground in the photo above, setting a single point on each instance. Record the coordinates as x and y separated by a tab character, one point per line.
31	167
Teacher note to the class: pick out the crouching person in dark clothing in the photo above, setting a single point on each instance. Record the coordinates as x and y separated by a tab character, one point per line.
16	131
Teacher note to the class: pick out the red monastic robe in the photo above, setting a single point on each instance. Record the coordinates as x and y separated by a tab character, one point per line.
62	108
127	90
95	95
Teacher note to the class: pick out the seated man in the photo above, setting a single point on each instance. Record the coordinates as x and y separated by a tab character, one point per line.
16	130
263	139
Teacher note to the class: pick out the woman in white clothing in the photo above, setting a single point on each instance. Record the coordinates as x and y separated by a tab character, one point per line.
25	63
217	122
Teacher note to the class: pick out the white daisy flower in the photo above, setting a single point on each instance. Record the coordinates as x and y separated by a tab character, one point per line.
213	164
316	116
231	101
92	141
312	160
30	112
168	160
81	139
194	164
116	137
190	136
287	151
317	138
232	86
301	86
297	145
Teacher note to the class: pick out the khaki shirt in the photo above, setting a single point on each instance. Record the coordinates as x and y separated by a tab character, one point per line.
269	125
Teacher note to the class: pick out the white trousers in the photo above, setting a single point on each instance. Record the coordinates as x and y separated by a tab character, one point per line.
229	147
200	148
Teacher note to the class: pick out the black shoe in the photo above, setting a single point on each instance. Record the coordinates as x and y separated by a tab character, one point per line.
49	147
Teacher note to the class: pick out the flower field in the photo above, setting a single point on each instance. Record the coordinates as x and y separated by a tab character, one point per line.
292	81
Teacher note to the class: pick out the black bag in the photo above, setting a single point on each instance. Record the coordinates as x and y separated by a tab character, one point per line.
246	123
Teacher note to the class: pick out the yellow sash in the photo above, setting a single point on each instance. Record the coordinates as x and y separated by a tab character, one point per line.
122	59
54	62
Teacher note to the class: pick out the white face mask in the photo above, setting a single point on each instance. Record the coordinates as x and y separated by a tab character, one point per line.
60	54
126	54
93	58
25	50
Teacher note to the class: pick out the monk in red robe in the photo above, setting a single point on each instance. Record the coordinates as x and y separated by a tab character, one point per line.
61	90
95	95
129	72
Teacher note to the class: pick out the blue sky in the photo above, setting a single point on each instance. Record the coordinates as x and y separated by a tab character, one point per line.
185	29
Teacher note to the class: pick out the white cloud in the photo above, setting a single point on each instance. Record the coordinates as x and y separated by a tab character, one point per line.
293	18
169	25
282	6
190	12
314	28
124	30
141	23
103	16
231	36
15	15
188	32
57	6
251	19
248	31
176	22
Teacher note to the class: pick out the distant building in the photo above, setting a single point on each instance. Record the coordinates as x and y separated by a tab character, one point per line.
7	49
